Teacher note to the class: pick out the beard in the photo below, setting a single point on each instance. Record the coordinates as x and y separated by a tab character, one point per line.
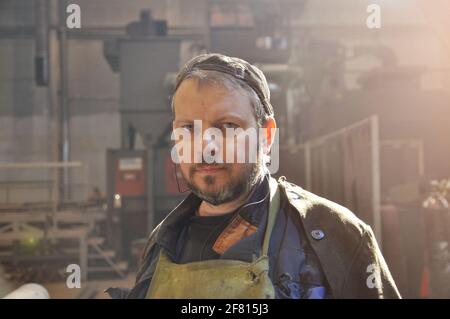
236	187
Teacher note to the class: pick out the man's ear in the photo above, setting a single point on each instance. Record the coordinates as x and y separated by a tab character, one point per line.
269	129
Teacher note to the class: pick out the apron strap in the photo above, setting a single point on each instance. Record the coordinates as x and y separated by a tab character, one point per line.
273	211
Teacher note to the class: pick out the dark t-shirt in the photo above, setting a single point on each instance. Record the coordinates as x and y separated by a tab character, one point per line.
200	236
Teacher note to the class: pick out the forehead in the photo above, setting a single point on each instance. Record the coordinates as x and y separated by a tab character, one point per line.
209	101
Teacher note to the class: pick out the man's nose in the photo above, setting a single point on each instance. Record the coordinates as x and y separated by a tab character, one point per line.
211	145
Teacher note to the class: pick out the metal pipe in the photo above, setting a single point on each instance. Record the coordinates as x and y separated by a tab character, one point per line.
41	59
40	165
54	99
308	166
64	107
376	188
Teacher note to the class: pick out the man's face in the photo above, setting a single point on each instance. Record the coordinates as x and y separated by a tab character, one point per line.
216	107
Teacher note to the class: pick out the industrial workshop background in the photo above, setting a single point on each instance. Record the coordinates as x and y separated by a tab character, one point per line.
85	171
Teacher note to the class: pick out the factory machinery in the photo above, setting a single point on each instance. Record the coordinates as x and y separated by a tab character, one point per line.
39	238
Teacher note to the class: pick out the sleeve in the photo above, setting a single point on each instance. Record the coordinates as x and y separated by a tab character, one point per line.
368	276
147	254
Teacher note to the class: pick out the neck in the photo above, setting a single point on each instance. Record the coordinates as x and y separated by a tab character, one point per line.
207	209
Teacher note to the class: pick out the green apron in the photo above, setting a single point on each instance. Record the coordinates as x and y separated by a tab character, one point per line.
218	279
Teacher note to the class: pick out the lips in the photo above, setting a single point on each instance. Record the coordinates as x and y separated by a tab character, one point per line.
209	169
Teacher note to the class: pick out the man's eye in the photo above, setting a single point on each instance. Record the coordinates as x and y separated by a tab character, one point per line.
187	126
229	125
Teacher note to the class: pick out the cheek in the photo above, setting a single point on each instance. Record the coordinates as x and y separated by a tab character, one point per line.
185	169
243	150
234	150
237	170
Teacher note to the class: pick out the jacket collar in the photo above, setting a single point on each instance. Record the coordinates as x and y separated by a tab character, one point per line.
172	226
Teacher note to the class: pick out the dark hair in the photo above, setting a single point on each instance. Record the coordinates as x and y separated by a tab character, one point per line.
208	77
232	73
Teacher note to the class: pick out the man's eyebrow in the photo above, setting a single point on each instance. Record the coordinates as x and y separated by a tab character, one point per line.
230	117
183	120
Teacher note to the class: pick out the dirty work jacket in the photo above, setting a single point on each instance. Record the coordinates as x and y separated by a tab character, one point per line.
343	247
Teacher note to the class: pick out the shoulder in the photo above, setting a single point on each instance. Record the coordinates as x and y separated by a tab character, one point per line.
346	245
146	260
151	241
321	213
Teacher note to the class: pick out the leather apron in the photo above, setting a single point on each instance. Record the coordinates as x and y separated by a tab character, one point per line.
218	279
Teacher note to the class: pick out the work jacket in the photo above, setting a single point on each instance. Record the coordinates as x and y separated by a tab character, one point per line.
318	249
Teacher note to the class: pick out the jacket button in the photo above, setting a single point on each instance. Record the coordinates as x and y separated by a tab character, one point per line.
317	234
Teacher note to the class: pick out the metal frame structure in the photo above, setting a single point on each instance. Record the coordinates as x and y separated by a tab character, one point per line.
375	164
54	222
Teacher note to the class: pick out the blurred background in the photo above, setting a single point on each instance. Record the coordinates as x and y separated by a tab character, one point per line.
85	170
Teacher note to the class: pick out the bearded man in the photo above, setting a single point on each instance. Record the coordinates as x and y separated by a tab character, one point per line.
240	233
